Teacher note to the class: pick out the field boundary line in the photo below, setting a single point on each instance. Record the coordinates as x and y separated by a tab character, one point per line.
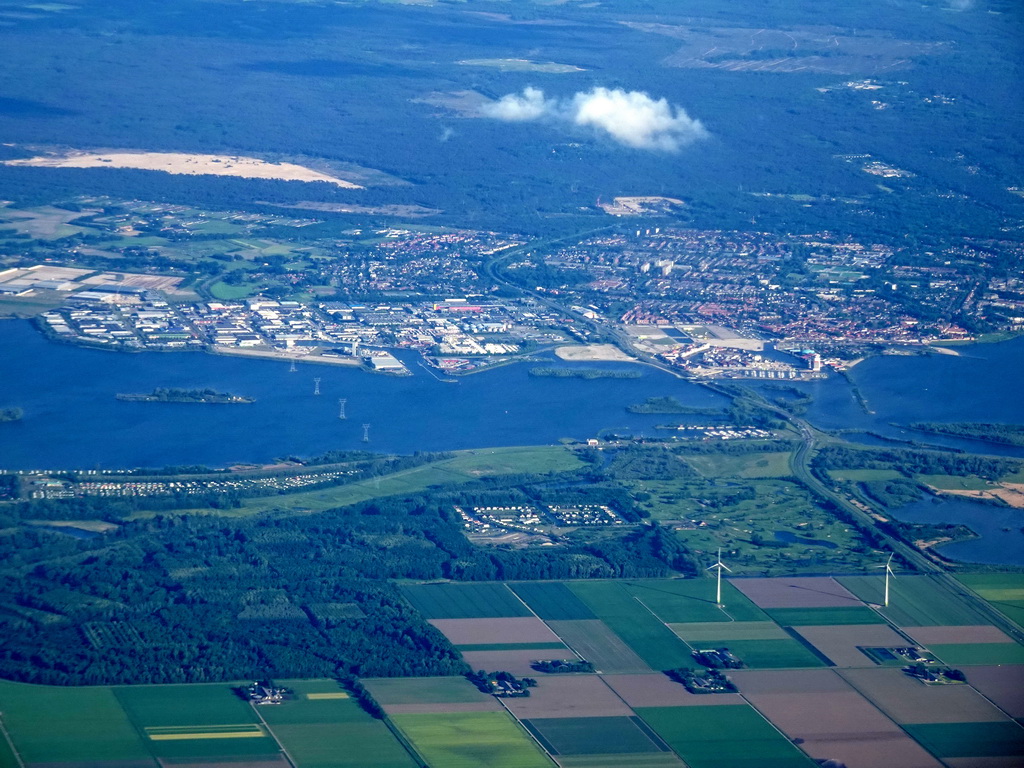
10	742
525	729
561	639
405	742
268	729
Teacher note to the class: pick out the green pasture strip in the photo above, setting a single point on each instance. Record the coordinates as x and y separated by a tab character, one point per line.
191	706
915	601
819	617
1001	739
864	475
684	601
718	631
1003	591
423	690
49	724
343	745
303	711
772	654
514	647
754	465
965	654
7	758
530	459
723	737
651	639
594	641
955	482
552	601
203	729
592	735
465	601
462	468
215	750
471	740
644	760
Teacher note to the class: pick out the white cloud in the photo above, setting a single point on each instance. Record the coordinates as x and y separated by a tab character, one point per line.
530	105
635	119
631	118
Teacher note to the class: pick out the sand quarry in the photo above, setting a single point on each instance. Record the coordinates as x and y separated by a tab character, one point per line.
184	164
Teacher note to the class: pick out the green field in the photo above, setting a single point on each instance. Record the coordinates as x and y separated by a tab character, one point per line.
471	740
723	737
1004	591
7	758
915	601
208	709
641	760
423	690
652	641
1004	739
464	601
594	641
818	617
772	654
864	475
745	465
332	733
593	735
956	483
679	601
722	632
552	601
964	654
51	725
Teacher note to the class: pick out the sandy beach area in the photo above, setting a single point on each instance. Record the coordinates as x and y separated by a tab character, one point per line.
184	164
594	353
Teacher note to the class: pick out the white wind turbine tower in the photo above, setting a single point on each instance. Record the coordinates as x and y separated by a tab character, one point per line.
888	573
720	565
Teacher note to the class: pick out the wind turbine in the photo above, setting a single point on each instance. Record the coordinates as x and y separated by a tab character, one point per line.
888	573
720	565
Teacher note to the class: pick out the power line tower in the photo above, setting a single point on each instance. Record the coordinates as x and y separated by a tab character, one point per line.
316	386
341	407
366	433
292	369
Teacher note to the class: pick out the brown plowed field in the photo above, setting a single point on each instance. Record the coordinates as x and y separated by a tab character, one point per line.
528	629
906	700
895	752
842	715
569	696
659	691
801	592
1004	685
985	633
755	681
840	643
983	762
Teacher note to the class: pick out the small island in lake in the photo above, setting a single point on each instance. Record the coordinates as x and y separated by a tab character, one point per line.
10	414
162	395
671	405
584	373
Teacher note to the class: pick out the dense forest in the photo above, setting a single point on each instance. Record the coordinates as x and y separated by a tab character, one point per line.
185	598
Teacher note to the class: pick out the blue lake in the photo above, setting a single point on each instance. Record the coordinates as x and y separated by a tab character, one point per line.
72	419
1001	542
